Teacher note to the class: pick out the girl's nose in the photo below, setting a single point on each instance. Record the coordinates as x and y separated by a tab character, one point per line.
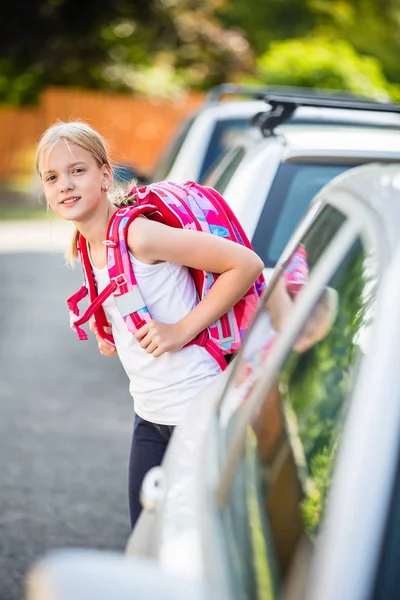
66	184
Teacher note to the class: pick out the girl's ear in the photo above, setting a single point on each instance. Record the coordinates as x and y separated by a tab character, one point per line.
107	176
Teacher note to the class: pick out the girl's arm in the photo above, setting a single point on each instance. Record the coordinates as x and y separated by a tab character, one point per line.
238	266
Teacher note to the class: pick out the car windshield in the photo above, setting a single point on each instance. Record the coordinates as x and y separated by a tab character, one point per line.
293	189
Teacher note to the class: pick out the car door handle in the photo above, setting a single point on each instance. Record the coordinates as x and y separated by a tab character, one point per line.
153	489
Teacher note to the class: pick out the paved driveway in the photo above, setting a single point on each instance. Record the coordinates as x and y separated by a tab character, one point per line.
65	415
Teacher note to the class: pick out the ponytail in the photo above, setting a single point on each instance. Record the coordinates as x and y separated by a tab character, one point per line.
72	252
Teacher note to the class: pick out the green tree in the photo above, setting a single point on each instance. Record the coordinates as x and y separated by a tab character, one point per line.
264	22
114	44
316	62
372	27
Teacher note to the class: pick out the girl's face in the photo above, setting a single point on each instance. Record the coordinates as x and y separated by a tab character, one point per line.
72	181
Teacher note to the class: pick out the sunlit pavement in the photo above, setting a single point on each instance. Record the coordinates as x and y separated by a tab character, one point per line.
65	413
48	235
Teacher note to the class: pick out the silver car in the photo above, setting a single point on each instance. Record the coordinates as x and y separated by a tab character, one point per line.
216	127
269	180
283	481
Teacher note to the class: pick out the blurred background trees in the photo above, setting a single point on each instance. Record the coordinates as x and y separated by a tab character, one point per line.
343	44
115	45
159	47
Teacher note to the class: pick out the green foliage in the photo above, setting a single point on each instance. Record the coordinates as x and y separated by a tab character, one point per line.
156	46
265	22
316	384
321	471
371	27
162	46
317	62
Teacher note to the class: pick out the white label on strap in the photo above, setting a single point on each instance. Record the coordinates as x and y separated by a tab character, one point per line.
130	302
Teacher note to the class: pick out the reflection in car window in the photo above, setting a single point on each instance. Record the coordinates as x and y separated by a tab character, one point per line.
294	187
285	473
262	334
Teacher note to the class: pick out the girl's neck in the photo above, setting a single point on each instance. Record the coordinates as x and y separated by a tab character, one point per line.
94	230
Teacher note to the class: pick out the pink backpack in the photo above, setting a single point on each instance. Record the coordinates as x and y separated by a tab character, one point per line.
189	206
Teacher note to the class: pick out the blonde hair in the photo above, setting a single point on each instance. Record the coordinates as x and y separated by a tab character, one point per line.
81	134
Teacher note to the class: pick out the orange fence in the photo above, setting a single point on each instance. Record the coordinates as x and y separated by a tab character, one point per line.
136	129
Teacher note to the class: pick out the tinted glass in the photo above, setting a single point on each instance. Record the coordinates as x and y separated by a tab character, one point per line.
277	503
219	182
223	138
294	187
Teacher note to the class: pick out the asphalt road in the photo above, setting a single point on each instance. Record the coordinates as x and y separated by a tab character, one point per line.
65	424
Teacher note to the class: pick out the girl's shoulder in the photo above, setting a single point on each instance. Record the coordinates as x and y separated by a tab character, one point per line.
143	236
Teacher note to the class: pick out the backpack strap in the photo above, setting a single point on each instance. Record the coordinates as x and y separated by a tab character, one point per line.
122	284
127	297
72	303
95	308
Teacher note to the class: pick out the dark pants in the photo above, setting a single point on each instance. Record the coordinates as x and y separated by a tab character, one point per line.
149	443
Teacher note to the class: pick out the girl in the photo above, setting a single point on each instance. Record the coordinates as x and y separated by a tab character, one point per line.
76	175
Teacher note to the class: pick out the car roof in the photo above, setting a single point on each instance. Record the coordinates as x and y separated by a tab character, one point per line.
346	116
234	108
231	108
312	140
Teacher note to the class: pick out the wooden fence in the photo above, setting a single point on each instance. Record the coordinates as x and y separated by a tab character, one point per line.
136	129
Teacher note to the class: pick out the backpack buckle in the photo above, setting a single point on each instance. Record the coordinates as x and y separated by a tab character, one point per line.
120	280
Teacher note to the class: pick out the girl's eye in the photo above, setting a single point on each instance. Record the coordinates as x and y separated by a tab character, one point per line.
50	178
78	170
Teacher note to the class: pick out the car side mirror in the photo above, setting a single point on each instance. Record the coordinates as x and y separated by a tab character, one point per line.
96	575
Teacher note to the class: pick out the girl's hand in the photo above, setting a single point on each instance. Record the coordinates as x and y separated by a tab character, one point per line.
105	348
157	338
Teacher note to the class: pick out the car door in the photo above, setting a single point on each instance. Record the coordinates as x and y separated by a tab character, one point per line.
281	419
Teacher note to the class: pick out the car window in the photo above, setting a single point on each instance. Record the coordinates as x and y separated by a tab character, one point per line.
167	159
276	506
294	187
224	136
220	182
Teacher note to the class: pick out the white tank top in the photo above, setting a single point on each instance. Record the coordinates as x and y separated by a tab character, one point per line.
161	387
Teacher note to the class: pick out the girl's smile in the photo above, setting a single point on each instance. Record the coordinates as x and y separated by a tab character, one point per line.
70	200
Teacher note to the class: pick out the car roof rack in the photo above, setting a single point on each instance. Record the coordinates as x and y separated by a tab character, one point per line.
231	89
283	106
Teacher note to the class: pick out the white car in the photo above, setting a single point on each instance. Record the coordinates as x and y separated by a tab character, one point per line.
211	131
283	481
270	181
203	138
